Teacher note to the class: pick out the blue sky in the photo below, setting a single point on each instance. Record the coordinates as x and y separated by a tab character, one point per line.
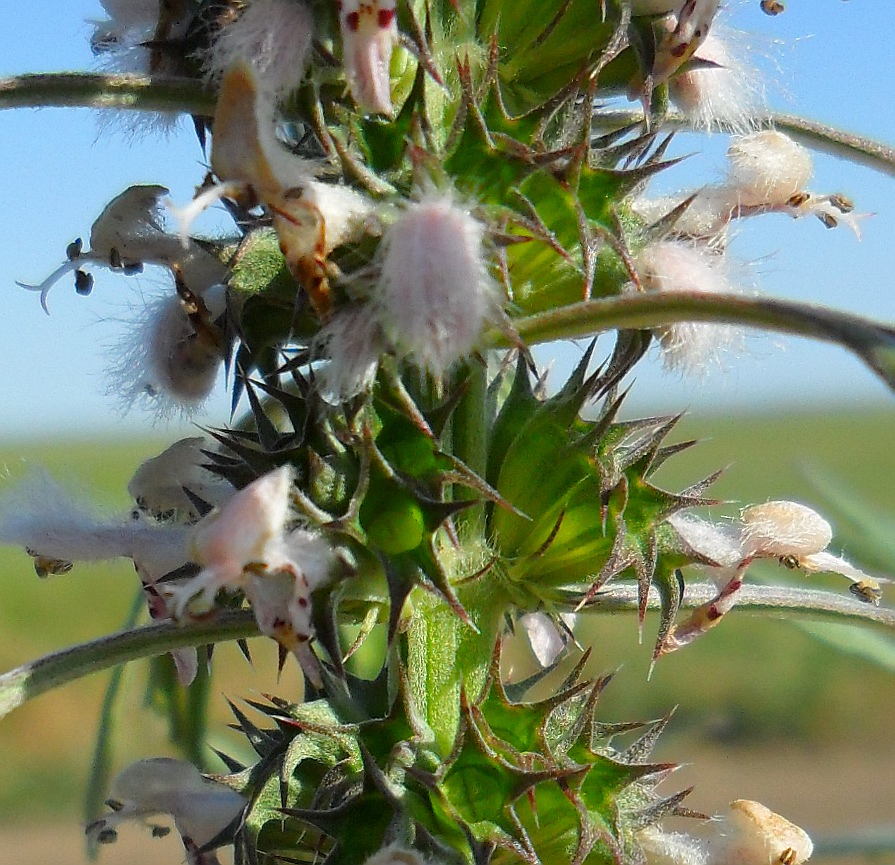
59	172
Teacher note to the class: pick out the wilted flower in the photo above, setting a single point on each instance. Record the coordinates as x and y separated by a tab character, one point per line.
682	266
201	808
369	33
248	545
435	295
273	37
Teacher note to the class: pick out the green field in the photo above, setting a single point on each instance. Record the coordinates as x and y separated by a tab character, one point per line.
749	684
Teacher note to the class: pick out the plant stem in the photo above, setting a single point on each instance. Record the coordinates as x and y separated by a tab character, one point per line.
872	342
35	678
819	136
83	90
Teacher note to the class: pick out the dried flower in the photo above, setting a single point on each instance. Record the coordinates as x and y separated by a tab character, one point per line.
202	809
681	266
369	33
767	169
435	295
274	38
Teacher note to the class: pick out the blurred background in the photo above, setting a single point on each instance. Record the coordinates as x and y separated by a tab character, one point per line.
766	710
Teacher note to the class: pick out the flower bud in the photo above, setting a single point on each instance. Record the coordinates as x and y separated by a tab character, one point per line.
435	294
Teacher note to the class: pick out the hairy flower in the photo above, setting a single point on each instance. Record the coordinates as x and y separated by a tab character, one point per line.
248	545
369	33
169	359
681	266
749	834
169	485
201	808
57	530
435	295
726	95
129	234
788	531
273	37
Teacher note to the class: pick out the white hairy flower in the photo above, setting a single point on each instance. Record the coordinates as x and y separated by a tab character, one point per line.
349	346
749	834
129	233
396	854
755	835
169	359
767	169
274	38
435	295
248	545
728	95
161	484
681	266
369	34
784	529
201	808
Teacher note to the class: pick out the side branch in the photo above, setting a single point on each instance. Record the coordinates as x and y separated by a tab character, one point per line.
85	90
35	678
872	342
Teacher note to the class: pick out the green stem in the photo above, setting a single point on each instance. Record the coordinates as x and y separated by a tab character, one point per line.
872	342
795	603
84	90
35	678
469	437
856	148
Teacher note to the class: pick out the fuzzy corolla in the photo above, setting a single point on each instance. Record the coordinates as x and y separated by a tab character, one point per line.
767	168
130	233
790	532
679	266
169	359
435	295
727	95
748	834
169	485
349	347
201	808
273	37
249	545
369	33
